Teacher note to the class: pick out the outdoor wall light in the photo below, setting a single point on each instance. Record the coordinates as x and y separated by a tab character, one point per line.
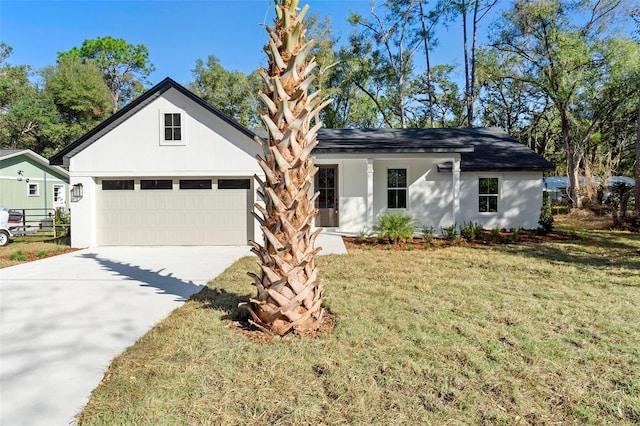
76	192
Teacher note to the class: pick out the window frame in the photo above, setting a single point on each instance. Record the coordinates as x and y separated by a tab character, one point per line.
489	195
112	181
61	200
144	185
162	128
184	183
398	188
35	185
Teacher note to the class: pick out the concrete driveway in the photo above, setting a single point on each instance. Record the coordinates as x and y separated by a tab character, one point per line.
63	319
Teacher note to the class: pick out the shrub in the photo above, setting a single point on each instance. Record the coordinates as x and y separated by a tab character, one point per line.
395	227
426	246
471	231
546	216
428	232
63	218
410	247
495	234
450	232
18	255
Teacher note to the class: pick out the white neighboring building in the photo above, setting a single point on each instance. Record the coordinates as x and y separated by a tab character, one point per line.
170	169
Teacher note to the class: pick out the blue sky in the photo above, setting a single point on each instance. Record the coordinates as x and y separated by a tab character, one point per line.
176	32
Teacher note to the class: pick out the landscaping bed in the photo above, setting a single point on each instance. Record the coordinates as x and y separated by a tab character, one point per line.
489	238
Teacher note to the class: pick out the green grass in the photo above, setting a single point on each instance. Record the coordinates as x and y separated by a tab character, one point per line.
519	334
28	248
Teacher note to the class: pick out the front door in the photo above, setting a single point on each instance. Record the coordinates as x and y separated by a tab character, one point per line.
326	183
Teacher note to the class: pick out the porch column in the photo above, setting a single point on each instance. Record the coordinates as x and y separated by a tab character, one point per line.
370	192
455	172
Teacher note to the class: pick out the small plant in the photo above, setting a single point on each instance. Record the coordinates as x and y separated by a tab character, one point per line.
513	236
495	234
426	246
450	232
18	255
63	218
389	246
41	253
471	231
395	227
410	247
363	233
437	244
546	216
428	232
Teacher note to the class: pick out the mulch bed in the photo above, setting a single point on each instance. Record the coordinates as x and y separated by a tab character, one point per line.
259	337
31	256
504	237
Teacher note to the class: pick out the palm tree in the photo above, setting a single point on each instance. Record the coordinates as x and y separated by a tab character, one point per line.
289	295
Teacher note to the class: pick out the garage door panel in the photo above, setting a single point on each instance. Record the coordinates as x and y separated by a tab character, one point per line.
173	217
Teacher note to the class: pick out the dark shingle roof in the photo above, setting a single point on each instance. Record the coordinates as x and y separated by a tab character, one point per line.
482	149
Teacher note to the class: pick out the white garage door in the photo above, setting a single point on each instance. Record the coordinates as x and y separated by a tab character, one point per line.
164	211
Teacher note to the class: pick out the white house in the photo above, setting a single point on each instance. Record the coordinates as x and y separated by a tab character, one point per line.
170	169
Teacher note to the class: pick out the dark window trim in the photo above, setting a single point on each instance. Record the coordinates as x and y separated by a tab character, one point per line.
156	184
394	201
118	185
234	184
488	196
196	184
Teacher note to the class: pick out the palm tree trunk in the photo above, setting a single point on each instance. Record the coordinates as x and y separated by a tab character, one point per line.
289	296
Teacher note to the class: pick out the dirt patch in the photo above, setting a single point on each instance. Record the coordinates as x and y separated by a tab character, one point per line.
259	337
488	238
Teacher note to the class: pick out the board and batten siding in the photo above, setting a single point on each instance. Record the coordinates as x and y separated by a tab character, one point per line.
133	150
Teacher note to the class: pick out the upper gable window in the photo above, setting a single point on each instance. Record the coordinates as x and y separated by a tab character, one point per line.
172	128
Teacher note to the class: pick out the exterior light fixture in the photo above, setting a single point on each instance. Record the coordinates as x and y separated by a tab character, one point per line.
76	192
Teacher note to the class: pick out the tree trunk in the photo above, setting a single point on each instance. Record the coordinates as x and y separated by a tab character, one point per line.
289	296
636	204
426	37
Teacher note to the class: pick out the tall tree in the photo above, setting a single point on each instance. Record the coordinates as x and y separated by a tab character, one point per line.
125	66
392	58
27	117
289	296
478	11
560	55
80	96
231	91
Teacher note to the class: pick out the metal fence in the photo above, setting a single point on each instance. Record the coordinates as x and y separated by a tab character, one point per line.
35	221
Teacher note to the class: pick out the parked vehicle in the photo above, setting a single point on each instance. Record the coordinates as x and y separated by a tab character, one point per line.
10	222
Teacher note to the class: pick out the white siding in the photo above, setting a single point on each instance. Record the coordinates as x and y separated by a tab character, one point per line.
132	149
519	202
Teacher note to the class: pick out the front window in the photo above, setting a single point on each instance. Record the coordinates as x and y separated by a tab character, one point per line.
397	188
172	127
488	195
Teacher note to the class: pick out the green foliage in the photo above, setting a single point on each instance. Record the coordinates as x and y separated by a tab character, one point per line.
428	232
124	66
395	227
41	253
546	216
232	92
450	232
18	256
79	94
410	247
495	234
471	231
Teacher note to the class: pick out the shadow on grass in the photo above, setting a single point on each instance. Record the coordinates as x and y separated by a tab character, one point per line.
220	299
603	250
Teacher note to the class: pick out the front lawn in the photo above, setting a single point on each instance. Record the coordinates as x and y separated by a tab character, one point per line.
536	333
33	247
